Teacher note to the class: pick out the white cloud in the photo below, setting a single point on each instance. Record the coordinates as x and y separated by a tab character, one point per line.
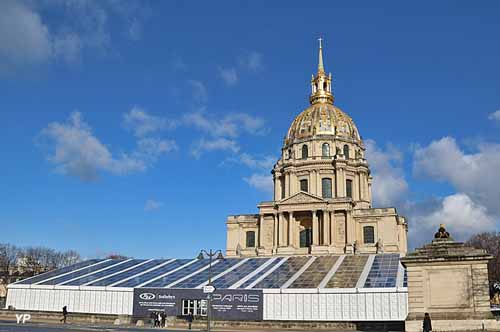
251	60
135	30
266	162
495	116
142	123
212	126
228	126
217	144
149	149
260	182
28	37
68	47
389	186
228	75
253	125
473	174
198	91
152	205
77	152
24	38
461	216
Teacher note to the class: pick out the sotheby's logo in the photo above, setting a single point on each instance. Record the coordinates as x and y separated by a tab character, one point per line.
147	296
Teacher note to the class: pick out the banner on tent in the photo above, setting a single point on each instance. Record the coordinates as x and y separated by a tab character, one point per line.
226	304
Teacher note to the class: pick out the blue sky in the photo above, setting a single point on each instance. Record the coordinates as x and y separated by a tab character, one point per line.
137	127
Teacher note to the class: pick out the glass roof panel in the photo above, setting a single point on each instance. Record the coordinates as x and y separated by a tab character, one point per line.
57	272
315	273
284	272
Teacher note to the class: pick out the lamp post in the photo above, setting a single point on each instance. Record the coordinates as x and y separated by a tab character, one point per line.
210	254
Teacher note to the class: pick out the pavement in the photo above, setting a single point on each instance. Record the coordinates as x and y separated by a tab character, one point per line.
9	326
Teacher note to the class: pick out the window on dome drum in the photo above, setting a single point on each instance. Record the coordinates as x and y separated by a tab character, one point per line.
346	151
325	150
305	152
250	239
368	234
326	186
304	185
348	188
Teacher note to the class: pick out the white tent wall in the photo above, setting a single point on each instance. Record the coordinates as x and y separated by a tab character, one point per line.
353	304
80	300
336	305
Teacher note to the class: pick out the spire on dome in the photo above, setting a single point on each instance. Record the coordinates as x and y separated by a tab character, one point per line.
321	68
321	84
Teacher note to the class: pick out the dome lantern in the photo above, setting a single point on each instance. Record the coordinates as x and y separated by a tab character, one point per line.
321	84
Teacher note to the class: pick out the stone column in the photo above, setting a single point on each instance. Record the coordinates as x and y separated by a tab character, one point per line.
287	184
277	187
293	183
259	227
356	195
312	179
326	227
281	230
332	228
291	223
350	228
319	189
275	231
315	228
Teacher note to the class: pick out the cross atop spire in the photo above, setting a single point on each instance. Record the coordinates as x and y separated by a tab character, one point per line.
321	68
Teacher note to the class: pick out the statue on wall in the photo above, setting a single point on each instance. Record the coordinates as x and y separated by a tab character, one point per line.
442	233
379	246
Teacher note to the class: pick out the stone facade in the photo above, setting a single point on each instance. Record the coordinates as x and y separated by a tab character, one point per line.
450	282
322	201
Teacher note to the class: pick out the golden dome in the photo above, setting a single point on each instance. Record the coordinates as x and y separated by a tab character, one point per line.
322	119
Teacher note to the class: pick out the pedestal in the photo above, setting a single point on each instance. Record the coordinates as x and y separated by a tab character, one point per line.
450	282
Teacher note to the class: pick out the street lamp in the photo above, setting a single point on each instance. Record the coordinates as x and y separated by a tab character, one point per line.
210	254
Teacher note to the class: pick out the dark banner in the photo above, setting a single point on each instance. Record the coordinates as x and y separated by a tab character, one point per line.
227	304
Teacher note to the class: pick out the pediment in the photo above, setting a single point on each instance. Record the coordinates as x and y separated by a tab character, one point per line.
302	198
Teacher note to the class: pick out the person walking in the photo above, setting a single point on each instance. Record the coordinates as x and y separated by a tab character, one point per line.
164	319
427	324
65	314
160	319
152	316
190	319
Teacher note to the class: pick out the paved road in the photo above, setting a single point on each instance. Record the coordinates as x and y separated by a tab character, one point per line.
40	327
7	326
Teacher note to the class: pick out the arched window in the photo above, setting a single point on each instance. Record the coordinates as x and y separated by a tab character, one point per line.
325	86
325	150
250	239
305	152
304	185
346	151
326	186
348	188
368	234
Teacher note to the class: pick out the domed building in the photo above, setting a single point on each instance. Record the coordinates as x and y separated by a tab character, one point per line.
322	191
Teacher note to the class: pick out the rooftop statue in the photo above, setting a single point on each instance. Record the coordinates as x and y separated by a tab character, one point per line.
442	233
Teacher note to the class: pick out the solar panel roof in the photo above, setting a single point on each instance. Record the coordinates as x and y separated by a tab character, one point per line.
298	272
